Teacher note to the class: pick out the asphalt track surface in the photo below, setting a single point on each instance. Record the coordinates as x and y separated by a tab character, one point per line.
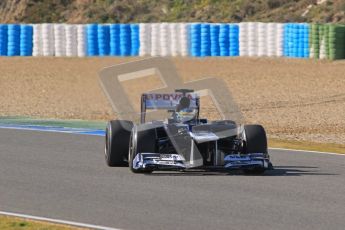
64	176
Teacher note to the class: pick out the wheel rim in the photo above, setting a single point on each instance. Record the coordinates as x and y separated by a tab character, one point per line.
130	149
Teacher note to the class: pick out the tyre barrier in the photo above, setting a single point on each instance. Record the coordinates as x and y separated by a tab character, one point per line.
270	39
71	40
295	40
92	39
224	40
125	39
336	34
205	40
164	43
155	41
25	47
135	42
13	40
81	41
183	29
174	39
37	40
252	39
243	44
114	39
262	36
194	42
60	40
145	39
327	41
234	49
3	40
214	39
323	51
279	40
261	39
48	42
314	42
103	38
164	39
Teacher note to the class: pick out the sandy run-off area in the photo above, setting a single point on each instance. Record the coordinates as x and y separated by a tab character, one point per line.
293	99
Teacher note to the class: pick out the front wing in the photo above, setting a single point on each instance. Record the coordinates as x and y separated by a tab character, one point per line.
157	161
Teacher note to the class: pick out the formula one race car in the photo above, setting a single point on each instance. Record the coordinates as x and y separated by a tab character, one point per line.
184	141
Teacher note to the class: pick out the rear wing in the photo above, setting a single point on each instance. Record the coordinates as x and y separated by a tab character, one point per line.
166	101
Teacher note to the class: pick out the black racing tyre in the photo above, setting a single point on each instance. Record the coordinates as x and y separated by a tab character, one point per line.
117	136
143	141
256	142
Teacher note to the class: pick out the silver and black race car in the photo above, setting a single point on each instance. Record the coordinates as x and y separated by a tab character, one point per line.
184	141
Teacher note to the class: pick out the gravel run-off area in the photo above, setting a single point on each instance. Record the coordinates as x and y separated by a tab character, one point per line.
294	99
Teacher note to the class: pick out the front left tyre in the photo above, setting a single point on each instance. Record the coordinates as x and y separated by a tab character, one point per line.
117	137
143	141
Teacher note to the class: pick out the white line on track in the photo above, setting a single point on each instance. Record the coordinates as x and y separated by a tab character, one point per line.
57	221
71	131
307	151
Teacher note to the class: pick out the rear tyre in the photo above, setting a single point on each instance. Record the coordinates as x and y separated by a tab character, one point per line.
256	142
143	141
117	136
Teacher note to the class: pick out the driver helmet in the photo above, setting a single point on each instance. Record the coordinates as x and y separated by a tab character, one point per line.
187	114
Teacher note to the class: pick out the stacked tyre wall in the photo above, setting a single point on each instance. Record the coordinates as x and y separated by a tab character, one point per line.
253	39
327	41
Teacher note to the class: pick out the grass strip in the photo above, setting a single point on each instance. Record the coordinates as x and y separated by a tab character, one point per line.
305	145
15	223
17	120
